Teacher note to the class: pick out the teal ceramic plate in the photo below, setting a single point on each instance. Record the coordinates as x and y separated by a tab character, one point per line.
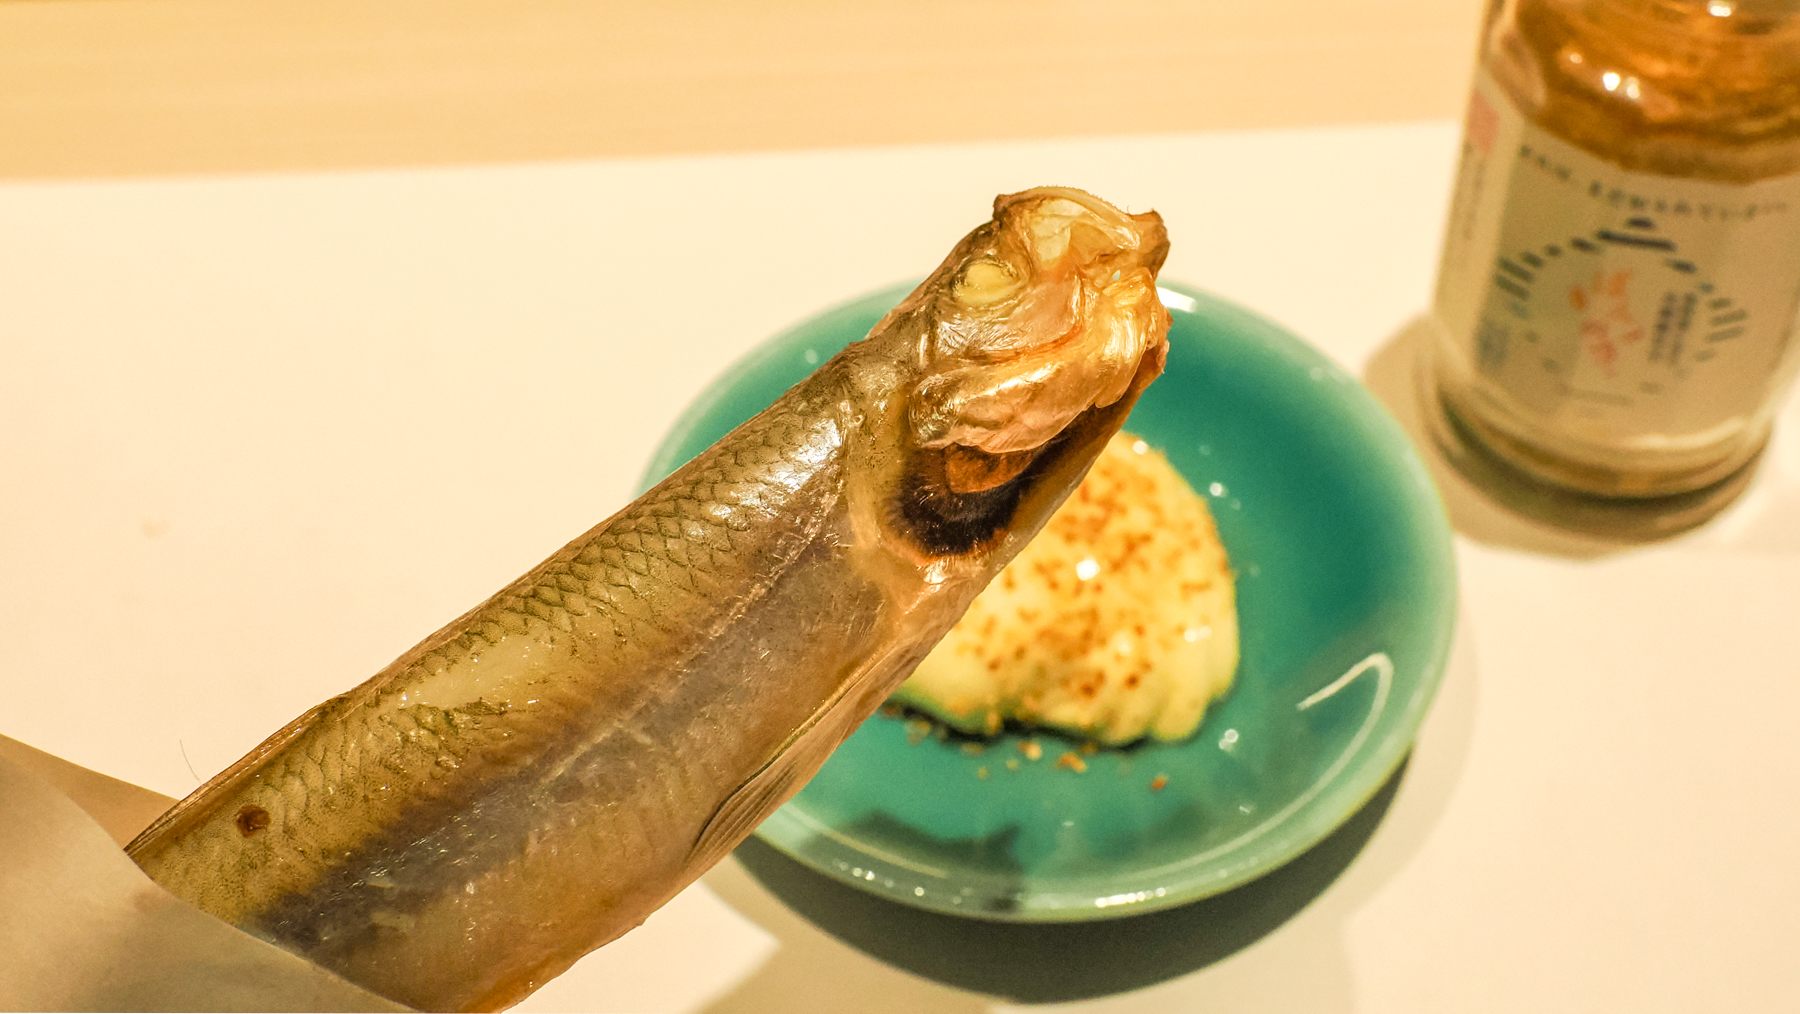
1346	596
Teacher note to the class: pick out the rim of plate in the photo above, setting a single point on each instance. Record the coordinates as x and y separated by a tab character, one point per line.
1348	783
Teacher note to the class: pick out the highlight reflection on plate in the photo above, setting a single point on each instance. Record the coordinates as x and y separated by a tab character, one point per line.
1346	599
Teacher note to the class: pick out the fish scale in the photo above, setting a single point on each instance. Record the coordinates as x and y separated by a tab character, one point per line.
631	570
542	773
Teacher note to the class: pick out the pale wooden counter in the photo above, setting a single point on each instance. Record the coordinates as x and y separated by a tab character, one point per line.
99	87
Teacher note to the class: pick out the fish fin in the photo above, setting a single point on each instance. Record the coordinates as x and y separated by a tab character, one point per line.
745	808
784	773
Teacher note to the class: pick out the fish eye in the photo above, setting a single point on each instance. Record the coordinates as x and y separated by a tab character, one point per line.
985	282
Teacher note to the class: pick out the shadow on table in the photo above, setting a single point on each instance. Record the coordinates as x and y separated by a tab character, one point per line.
1490	502
1039	963
1277	943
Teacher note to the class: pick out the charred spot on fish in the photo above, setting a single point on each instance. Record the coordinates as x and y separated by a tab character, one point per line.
251	819
944	523
943	513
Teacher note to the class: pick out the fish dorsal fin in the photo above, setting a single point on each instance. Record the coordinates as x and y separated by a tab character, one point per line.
790	767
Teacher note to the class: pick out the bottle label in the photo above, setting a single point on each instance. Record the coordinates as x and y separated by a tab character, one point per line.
1615	304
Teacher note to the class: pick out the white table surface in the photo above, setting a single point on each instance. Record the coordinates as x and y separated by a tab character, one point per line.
262	433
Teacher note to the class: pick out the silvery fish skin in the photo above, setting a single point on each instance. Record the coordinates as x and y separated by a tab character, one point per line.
540	775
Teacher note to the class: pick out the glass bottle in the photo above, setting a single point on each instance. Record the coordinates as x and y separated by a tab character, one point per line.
1620	284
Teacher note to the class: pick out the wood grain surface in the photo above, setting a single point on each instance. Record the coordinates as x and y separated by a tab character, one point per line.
123	88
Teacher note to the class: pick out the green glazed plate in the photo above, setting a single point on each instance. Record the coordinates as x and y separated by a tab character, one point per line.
1346	597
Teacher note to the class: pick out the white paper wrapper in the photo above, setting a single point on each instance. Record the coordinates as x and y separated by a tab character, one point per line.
82	928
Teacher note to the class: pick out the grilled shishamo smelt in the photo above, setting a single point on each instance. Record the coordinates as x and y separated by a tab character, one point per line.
537	777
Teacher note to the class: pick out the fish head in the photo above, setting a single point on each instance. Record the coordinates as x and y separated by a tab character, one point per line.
1030	344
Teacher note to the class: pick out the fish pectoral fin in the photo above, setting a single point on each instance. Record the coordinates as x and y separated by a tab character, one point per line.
739	814
784	773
